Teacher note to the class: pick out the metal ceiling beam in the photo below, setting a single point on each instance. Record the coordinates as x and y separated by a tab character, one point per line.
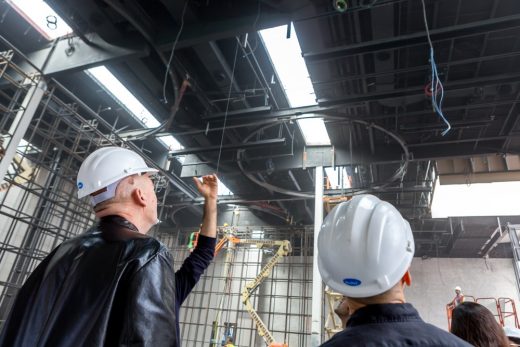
203	32
255	144
446	33
388	154
448	64
59	57
248	111
418	91
249	199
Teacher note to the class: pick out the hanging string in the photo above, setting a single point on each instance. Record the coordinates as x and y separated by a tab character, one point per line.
172	51
232	79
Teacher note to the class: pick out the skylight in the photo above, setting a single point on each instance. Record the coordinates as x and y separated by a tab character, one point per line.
286	55
288	62
480	199
42	17
222	189
339	172
127	100
314	131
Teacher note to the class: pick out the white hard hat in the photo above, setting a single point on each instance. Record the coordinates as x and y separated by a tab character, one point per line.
364	247
105	167
458	288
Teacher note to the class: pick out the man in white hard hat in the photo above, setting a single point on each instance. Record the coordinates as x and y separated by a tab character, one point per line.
459	298
113	285
365	249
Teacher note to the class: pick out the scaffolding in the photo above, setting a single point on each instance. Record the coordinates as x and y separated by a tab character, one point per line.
45	134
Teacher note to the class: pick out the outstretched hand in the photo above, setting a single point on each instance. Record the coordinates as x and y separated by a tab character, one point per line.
208	188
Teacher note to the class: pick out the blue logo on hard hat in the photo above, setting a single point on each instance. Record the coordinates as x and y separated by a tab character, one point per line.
80	185
352	282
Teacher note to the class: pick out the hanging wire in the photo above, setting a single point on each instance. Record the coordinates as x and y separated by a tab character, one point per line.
232	79
173	50
252	50
436	83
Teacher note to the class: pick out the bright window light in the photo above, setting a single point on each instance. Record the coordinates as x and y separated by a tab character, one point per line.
127	100
480	199
222	189
314	131
42	17
344	181
171	142
27	148
288	62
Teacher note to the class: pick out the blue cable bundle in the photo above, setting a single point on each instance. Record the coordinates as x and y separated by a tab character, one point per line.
436	83
436	88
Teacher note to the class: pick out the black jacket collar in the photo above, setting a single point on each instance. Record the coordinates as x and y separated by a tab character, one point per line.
382	313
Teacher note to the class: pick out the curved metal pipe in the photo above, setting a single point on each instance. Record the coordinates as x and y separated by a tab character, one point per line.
399	173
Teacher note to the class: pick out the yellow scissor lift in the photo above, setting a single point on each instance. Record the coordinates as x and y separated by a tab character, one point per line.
282	248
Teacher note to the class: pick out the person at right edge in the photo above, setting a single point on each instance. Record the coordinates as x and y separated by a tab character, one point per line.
365	248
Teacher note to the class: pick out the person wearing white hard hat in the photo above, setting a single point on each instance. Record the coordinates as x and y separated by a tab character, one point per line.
365	249
113	285
459	298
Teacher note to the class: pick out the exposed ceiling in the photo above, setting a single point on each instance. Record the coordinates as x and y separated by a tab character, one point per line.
369	67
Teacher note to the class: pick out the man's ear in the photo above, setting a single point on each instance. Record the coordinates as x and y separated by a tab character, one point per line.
138	197
407	278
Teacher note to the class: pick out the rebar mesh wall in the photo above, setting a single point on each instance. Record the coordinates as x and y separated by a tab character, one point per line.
283	301
38	204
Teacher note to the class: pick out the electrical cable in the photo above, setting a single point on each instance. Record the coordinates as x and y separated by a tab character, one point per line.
173	50
436	84
121	10
227	105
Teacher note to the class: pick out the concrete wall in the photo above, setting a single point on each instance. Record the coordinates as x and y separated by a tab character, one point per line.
434	281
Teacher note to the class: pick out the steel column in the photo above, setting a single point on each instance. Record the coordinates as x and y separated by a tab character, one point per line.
317	284
21	122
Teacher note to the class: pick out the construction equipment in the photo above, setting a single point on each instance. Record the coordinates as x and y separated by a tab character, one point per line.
22	169
501	309
283	248
331	323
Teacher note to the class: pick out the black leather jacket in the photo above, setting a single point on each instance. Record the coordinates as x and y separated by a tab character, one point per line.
108	287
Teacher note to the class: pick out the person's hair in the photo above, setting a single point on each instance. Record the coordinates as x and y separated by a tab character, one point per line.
475	324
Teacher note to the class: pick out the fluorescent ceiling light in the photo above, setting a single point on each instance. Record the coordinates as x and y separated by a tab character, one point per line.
288	62
128	101
42	17
481	199
334	174
314	131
